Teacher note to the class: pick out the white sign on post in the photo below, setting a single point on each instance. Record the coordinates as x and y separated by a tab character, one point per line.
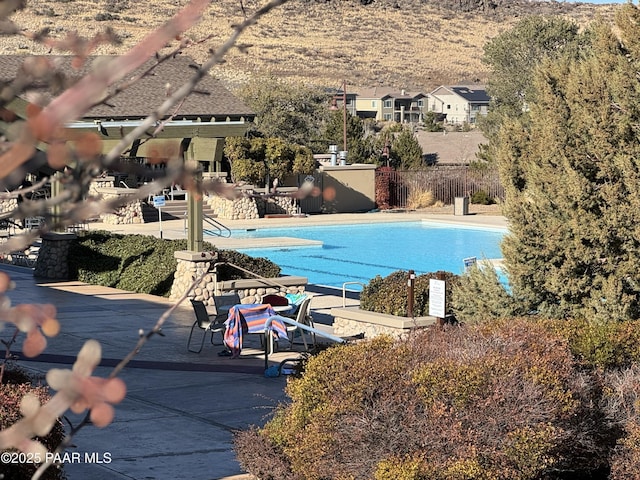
436	297
159	202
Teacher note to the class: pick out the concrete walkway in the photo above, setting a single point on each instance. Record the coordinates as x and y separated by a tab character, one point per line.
181	409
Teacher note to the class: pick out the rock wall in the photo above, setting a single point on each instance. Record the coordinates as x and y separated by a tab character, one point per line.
193	265
250	208
128	214
53	256
243	208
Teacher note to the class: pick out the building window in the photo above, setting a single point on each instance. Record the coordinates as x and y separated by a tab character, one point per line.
386	116
388	103
448	107
373	103
421	103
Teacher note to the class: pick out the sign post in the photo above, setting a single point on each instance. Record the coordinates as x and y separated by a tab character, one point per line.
159	202
437	299
469	262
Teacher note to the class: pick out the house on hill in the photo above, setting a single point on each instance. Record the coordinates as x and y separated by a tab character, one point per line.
389	104
459	104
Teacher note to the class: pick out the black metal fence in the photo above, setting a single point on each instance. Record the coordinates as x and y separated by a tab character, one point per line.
394	189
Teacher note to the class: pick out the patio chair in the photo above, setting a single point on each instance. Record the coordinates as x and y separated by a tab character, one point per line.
304	317
211	323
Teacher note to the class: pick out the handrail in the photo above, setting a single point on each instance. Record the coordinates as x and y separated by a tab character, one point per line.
214	223
125	185
290	321
344	291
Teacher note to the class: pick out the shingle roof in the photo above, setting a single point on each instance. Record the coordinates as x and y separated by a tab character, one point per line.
211	100
475	94
382	92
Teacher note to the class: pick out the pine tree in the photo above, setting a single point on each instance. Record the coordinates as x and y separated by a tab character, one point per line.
571	169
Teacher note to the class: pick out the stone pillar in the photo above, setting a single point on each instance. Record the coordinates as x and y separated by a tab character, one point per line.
191	266
53	256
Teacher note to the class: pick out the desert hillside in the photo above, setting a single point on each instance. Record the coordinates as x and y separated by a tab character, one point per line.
400	43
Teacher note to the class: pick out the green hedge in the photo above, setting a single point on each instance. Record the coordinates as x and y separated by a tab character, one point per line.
389	294
146	264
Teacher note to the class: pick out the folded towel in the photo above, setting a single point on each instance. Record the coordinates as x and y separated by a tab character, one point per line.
296	298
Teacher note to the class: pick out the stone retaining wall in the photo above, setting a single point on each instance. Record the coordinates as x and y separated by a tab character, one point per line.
128	214
351	321
250	208
243	208
193	265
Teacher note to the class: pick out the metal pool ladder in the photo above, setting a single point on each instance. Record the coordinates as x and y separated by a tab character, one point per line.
344	290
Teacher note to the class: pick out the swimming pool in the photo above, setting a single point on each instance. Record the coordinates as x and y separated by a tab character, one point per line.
357	253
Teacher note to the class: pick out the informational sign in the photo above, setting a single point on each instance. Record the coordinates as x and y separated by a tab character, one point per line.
436	297
159	201
469	262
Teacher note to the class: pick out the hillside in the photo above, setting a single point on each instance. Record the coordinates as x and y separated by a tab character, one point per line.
401	43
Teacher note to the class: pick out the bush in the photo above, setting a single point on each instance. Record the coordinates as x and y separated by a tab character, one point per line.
479	295
389	294
499	400
481	198
146	264
16	385
601	344
420	199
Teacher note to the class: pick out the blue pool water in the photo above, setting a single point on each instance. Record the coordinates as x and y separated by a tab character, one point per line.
357	253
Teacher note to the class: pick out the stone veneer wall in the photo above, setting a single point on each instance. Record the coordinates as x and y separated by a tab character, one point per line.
350	321
277	205
193	265
128	214
53	256
243	208
250	208
131	213
8	205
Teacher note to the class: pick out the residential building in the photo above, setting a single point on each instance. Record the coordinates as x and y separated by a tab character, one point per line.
389	104
460	104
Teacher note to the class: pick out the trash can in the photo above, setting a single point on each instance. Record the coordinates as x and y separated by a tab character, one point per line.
461	206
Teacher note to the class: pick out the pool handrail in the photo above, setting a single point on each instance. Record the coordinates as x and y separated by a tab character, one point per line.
344	290
301	326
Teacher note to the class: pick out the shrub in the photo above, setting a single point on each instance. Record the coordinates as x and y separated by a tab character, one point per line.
389	294
499	400
601	344
420	199
146	264
481	197
11	393
479	295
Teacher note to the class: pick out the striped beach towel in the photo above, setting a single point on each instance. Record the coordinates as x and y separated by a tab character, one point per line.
249	318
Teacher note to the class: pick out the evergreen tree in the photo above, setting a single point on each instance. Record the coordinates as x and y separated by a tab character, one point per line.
407	150
294	113
512	58
571	169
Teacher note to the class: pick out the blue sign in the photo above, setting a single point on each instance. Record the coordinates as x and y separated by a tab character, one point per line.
159	201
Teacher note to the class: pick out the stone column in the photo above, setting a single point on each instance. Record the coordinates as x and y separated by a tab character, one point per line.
53	256
191	266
